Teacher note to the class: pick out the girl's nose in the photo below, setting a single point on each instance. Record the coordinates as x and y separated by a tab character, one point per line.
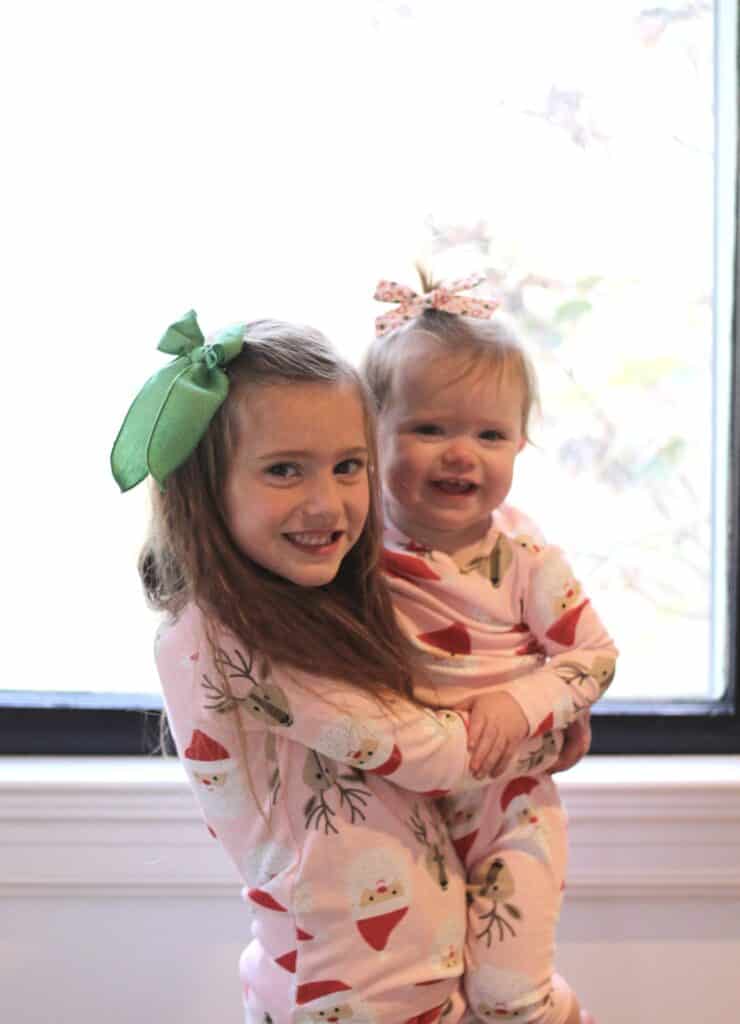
322	504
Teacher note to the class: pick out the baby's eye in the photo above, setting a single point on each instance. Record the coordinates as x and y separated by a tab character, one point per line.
283	470
349	467
492	435
428	429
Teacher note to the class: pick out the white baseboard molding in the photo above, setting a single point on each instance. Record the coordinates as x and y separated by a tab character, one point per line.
642	828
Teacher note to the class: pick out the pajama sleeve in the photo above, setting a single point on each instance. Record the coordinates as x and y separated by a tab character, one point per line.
236	700
413	747
580	655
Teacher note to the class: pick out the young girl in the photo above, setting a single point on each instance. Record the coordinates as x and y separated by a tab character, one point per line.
285	678
503	626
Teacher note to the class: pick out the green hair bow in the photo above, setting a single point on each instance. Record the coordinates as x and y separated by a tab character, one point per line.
172	411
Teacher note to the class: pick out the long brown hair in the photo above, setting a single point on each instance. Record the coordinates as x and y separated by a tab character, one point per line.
345	629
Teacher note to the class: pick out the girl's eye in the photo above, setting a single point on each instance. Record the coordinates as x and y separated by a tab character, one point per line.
349	467
283	470
492	435
427	429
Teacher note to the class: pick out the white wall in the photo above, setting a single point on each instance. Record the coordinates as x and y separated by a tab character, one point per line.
118	907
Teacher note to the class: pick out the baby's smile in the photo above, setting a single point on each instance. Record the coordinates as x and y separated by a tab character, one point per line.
455	486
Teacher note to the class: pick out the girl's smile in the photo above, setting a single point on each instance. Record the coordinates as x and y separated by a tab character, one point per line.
315	543
297	493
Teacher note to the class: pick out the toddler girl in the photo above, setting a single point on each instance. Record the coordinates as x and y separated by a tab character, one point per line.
286	681
502	624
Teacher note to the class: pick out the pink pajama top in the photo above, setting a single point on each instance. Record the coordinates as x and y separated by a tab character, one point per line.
355	895
514	618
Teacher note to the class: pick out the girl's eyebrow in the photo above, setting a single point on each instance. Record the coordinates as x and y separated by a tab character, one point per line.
297	453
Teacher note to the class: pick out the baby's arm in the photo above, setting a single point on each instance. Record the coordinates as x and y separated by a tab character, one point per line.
576	744
581	656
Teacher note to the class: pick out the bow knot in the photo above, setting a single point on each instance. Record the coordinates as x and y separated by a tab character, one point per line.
445	297
172	411
211	355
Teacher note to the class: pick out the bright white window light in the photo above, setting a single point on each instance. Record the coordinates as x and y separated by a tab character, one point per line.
276	159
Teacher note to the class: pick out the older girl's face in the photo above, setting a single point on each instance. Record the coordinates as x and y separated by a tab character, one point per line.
297	493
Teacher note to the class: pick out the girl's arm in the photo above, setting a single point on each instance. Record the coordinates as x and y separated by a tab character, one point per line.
417	749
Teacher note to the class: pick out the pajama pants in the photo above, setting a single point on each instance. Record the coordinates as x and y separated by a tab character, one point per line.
512	838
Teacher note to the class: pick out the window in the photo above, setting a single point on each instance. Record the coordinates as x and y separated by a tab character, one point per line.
277	159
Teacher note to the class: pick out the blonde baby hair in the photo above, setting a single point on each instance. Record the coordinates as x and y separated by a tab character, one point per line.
473	345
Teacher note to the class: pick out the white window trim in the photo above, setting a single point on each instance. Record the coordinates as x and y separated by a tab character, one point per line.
640	826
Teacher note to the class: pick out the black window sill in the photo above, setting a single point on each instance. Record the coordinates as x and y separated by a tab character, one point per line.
126	724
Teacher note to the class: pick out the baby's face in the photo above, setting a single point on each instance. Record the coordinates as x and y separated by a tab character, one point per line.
447	449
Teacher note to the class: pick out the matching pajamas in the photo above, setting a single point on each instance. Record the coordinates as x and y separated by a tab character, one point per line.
345	820
355	898
513	618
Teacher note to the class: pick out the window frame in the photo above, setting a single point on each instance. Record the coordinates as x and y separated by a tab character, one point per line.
56	726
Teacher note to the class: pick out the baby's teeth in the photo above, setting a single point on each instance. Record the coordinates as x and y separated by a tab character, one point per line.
455	485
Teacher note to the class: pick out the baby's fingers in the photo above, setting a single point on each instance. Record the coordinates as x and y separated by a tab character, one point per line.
487	751
476	728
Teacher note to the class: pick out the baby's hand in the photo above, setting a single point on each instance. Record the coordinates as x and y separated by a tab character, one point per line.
497	725
577	742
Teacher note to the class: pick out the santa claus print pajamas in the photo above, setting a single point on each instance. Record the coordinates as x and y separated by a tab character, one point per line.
356	897
514	618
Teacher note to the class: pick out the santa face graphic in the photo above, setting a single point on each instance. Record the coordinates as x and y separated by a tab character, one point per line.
218	785
329	1002
569	596
351	741
379	891
383	892
462	815
523	824
362	756
210	780
500	994
447	951
342	1011
557	599
525	815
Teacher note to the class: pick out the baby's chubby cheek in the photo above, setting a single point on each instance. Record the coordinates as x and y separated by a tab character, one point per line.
398	480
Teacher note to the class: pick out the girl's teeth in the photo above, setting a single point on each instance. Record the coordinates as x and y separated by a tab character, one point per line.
312	539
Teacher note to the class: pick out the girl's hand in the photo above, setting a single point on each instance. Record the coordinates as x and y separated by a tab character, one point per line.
577	743
497	726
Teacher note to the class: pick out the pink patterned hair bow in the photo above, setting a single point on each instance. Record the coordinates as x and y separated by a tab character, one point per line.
446	297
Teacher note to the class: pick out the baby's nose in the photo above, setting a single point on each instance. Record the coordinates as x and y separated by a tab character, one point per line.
457	453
